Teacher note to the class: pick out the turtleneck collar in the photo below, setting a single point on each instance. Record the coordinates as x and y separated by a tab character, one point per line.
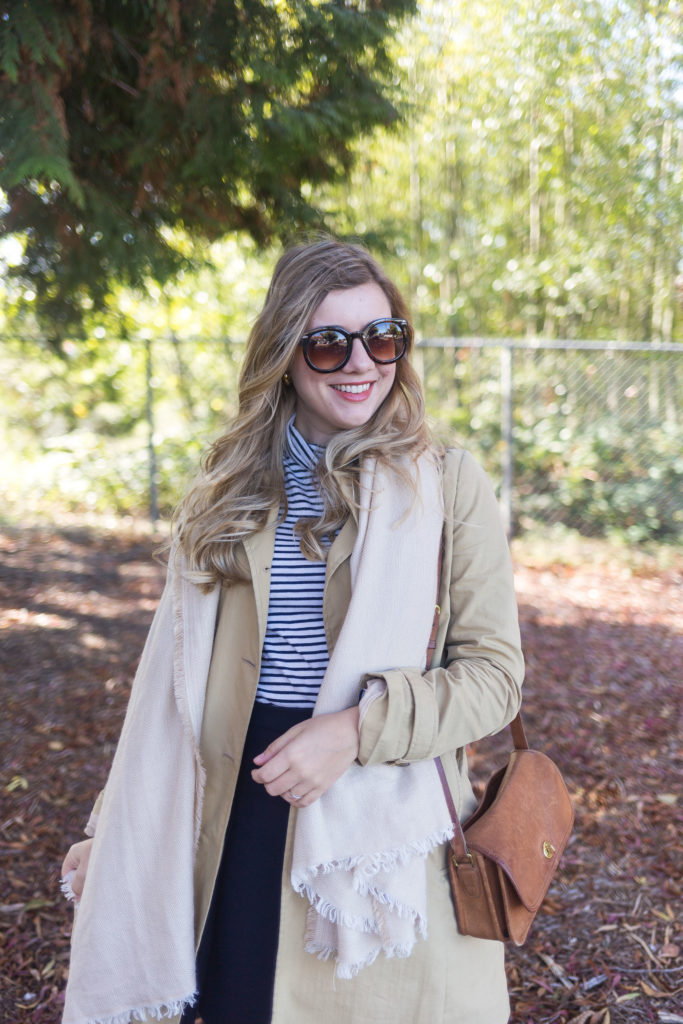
304	452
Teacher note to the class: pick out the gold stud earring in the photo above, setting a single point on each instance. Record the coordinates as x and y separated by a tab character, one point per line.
286	379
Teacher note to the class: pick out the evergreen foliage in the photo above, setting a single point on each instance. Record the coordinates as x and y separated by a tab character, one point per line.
122	120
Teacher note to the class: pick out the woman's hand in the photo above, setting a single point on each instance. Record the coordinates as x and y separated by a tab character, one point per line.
303	763
77	860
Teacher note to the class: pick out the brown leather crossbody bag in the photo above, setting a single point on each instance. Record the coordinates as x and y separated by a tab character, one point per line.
502	859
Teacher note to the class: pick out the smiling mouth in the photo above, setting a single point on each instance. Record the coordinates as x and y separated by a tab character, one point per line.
353	389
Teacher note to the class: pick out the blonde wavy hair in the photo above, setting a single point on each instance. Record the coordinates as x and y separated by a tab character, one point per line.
242	475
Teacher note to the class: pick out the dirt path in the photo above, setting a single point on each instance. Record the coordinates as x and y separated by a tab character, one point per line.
604	649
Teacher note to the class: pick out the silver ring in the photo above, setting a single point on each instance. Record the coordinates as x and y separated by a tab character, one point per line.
294	796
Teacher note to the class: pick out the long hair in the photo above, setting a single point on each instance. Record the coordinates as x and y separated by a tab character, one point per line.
242	475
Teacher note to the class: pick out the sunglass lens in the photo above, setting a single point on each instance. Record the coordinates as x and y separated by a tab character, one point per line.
386	341
326	350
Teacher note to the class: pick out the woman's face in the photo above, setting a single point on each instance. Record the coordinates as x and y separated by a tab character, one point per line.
329	402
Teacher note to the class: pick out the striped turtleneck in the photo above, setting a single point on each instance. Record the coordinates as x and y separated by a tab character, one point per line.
295	652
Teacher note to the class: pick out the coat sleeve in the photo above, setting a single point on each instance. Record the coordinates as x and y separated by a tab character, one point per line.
476	690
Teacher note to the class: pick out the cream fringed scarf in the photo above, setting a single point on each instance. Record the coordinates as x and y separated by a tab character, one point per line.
132	948
359	852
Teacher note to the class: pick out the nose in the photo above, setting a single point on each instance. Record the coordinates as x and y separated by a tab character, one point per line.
359	360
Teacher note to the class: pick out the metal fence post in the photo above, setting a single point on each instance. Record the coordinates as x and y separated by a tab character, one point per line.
506	432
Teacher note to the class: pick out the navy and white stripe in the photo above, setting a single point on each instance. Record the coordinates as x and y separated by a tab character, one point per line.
295	652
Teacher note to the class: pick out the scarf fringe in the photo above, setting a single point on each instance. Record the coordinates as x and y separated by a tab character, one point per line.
65	886
169	1008
348	971
335	914
400	910
180	694
384	861
366	866
199	787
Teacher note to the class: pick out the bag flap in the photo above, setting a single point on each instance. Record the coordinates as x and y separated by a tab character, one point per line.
523	823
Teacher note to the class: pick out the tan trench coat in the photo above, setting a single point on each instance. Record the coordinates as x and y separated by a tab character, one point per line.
472	690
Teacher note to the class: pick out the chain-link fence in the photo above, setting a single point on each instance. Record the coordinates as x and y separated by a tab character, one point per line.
589	435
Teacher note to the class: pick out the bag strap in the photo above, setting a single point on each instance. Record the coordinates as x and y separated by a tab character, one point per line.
458	843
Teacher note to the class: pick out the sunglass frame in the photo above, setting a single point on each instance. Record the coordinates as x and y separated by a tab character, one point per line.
350	335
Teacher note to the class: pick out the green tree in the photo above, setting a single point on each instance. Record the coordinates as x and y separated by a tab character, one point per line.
536	188
122	123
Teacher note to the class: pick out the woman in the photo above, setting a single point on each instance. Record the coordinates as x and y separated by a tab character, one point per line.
282	725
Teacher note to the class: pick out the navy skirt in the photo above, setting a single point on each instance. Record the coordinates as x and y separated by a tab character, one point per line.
238	949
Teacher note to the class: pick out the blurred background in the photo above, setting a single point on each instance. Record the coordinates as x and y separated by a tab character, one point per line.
517	167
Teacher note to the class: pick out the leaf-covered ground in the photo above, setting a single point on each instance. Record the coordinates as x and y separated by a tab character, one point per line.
604	646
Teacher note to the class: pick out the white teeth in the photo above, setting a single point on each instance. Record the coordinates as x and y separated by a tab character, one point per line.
352	389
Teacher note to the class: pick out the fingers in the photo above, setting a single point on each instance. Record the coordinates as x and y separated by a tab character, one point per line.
297	799
303	794
281	777
76	861
78	880
284	773
278	766
281	764
277	745
309	758
70	863
75	855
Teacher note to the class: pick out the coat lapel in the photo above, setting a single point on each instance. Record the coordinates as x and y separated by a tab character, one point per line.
342	547
195	611
338	581
259	549
194	623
